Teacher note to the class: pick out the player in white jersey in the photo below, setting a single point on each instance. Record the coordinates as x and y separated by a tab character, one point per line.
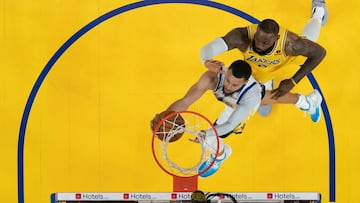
248	96
242	96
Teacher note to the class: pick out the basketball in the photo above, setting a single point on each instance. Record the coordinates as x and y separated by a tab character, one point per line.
172	126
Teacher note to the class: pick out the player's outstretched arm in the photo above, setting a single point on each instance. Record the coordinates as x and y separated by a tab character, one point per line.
296	46
288	98
206	82
314	53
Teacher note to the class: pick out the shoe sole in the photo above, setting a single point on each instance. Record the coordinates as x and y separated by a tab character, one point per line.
316	118
212	171
326	13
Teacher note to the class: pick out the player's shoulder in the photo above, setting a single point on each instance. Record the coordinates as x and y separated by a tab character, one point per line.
239	29
237	38
293	43
292	37
254	88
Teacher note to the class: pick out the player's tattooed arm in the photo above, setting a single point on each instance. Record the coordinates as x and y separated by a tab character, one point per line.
296	46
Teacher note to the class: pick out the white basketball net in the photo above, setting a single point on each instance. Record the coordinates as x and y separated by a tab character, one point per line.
185	171
194	124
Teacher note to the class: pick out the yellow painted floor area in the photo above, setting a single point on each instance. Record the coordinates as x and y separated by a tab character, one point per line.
88	127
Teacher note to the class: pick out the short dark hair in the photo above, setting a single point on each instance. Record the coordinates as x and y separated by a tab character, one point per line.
269	26
240	69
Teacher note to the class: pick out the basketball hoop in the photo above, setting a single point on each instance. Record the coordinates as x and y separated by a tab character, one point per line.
182	158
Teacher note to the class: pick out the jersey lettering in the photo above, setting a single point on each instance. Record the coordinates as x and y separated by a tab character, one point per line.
263	61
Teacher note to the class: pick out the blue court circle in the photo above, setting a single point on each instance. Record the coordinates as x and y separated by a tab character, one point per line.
124	9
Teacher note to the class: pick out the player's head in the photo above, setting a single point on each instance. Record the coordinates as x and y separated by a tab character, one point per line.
266	35
237	75
198	196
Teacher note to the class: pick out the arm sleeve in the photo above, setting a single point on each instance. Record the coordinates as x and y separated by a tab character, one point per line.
215	47
245	109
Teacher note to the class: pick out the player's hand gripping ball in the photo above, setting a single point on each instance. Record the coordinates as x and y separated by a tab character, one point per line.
173	126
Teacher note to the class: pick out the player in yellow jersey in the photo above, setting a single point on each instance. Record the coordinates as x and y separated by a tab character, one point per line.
267	47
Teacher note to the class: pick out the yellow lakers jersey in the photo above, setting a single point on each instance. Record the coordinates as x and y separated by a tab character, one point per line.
264	66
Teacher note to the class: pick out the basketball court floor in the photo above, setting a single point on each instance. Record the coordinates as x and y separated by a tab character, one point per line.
81	80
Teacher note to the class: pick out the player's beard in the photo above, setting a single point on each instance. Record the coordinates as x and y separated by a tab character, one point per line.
227	93
262	52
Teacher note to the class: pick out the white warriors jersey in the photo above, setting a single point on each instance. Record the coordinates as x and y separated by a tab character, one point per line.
240	105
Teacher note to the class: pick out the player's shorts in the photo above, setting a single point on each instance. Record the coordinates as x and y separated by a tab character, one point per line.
238	130
262	90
